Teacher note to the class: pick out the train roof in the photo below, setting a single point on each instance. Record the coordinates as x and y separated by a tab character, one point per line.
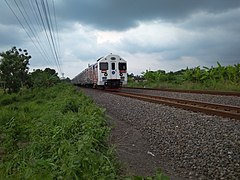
100	58
114	55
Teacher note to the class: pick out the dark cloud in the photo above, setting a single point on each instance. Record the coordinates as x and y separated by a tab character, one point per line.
205	20
206	37
202	31
11	36
124	14
6	15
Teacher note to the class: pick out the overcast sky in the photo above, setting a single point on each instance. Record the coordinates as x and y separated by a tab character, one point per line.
150	34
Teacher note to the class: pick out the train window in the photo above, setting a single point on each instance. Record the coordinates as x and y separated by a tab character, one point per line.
113	66
122	66
103	66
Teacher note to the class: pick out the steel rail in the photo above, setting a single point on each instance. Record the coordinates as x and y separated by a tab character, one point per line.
224	93
196	106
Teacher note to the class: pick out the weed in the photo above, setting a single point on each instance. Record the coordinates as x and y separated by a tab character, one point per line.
55	133
8	99
71	105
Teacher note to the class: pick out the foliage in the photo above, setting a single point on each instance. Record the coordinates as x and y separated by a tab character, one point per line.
13	68
67	80
214	74
43	78
53	133
220	77
162	76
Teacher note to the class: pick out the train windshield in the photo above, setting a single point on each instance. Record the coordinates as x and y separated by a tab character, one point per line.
113	66
122	66
103	66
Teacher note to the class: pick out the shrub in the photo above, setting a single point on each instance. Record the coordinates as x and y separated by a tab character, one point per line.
63	137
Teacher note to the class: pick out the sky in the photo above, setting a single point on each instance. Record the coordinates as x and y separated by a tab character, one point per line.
149	34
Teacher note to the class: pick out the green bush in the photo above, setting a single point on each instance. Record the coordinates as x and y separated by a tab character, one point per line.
57	134
225	78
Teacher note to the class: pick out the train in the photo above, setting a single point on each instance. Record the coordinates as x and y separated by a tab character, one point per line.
109	72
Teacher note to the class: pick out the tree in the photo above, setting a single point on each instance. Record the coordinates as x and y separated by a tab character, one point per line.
13	68
46	78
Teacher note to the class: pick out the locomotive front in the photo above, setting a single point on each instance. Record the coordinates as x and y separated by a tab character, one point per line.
112	71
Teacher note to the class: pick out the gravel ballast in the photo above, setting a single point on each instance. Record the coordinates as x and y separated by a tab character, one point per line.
183	143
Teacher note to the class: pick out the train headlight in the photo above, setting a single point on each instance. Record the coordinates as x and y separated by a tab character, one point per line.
121	74
105	74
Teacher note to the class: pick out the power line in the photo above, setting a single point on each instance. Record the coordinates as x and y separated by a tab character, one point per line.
38	24
45	30
40	9
32	28
56	27
22	25
37	19
49	25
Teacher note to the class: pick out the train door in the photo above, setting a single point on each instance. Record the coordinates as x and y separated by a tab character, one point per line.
113	71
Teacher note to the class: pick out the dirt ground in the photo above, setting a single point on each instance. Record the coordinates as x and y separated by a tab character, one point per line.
132	149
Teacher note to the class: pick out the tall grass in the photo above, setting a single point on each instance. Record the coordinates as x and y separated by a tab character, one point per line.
55	133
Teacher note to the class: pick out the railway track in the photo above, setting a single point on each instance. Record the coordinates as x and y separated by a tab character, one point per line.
196	106
223	93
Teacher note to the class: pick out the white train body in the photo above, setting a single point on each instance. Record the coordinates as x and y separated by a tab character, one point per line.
109	72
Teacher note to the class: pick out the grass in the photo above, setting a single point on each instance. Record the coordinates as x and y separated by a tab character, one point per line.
54	133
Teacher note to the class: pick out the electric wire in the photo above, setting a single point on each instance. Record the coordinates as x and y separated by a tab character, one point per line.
56	27
49	25
38	27
23	26
32	29
38	20
41	13
54	33
45	30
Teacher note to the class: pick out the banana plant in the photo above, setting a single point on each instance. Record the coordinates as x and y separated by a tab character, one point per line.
206	74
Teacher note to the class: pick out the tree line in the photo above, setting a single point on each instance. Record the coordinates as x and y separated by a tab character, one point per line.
14	72
212	78
230	74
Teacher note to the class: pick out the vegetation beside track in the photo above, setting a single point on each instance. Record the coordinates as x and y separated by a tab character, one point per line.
53	133
224	78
